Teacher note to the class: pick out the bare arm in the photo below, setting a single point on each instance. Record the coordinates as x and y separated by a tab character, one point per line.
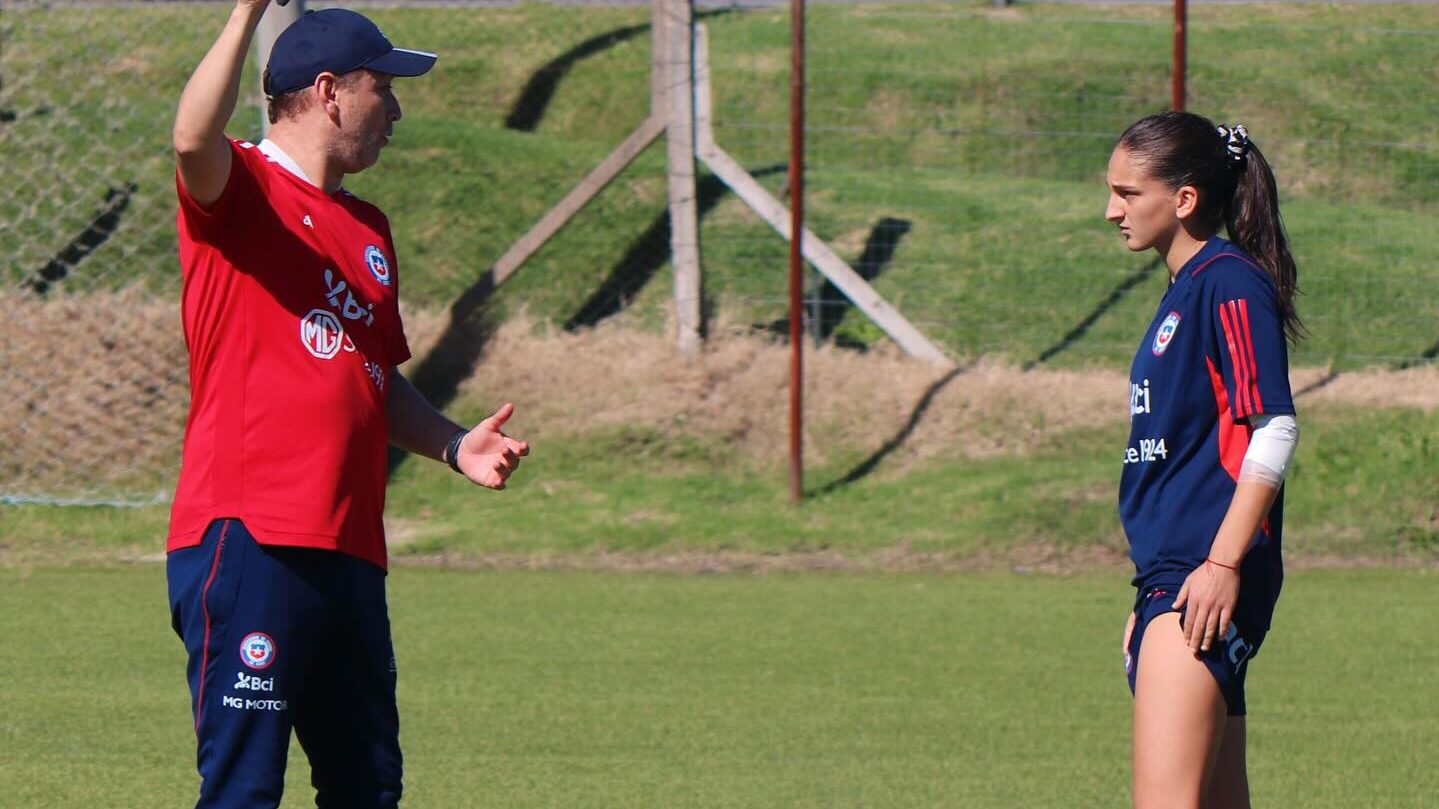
1251	504
208	101
415	425
1212	591
486	456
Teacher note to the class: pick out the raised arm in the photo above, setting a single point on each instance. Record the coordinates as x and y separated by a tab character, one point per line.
201	154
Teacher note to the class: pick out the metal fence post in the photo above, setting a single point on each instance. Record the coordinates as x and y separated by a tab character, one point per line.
277	18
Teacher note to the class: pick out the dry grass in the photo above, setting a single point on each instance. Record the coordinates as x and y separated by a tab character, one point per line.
1033	558
95	392
94	389
1416	388
737	391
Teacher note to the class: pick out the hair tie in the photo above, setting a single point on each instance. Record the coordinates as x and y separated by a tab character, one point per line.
1236	142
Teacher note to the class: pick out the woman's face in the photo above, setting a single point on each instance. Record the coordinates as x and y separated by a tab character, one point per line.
1147	213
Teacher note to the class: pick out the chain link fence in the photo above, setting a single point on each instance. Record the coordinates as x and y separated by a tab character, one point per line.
955	159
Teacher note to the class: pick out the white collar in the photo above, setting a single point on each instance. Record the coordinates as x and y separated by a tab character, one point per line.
275	153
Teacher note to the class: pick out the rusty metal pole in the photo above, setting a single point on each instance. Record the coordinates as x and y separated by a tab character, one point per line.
796	257
1181	16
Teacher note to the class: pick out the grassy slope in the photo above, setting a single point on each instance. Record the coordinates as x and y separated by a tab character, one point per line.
1006	251
593	690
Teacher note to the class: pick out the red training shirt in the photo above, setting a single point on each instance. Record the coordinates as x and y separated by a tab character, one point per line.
292	324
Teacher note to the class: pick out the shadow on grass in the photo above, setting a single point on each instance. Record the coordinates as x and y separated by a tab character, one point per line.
102	226
455	355
645	255
1081	328
1318	384
830	304
529	108
879	250
1074	335
1425	357
473	320
868	465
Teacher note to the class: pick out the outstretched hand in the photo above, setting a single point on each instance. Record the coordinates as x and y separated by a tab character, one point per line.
488	456
1211	592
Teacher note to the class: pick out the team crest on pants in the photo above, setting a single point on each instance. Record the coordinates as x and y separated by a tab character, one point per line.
257	650
378	264
1165	334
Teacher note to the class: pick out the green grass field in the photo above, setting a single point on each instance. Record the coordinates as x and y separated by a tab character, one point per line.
601	690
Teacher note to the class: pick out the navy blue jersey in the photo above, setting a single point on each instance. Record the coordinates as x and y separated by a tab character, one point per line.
1214	356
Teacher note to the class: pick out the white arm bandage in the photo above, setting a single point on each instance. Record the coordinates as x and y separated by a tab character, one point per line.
1271	448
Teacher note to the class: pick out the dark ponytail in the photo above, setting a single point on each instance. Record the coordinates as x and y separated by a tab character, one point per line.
1236	190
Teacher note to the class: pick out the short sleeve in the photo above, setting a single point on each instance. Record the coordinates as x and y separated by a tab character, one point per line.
399	345
245	182
1248	343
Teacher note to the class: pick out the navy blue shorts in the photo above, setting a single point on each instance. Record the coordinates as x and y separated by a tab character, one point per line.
1225	660
281	639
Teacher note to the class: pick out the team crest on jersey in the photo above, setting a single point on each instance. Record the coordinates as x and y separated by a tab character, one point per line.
257	650
322	333
378	264
1165	335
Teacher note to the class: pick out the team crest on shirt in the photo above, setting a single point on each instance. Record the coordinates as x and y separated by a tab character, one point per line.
1165	335
257	650
378	264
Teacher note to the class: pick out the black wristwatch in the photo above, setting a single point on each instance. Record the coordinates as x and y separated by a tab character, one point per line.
452	449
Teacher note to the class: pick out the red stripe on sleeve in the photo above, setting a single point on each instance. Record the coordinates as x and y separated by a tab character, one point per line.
1249	353
1233	436
1228	318
1246	381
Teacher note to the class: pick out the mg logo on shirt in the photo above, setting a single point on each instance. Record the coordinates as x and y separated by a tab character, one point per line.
1165	334
322	333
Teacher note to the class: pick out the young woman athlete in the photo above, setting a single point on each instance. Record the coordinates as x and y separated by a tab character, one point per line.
1212	432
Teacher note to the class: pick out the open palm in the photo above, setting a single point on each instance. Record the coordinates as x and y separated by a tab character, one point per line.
487	456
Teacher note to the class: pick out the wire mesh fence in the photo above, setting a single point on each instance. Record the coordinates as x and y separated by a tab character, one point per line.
963	164
955	158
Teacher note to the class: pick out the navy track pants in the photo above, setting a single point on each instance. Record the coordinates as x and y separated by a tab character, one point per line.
281	638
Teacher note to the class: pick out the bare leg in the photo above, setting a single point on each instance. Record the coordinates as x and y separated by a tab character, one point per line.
1179	718
1229	787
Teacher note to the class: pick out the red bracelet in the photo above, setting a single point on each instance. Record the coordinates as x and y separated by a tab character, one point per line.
1221	564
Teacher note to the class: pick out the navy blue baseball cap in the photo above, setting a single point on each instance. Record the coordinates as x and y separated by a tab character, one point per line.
336	40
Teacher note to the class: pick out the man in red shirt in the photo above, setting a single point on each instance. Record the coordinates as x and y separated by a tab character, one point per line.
276	558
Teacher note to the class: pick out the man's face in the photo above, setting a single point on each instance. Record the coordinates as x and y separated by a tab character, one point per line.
368	112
